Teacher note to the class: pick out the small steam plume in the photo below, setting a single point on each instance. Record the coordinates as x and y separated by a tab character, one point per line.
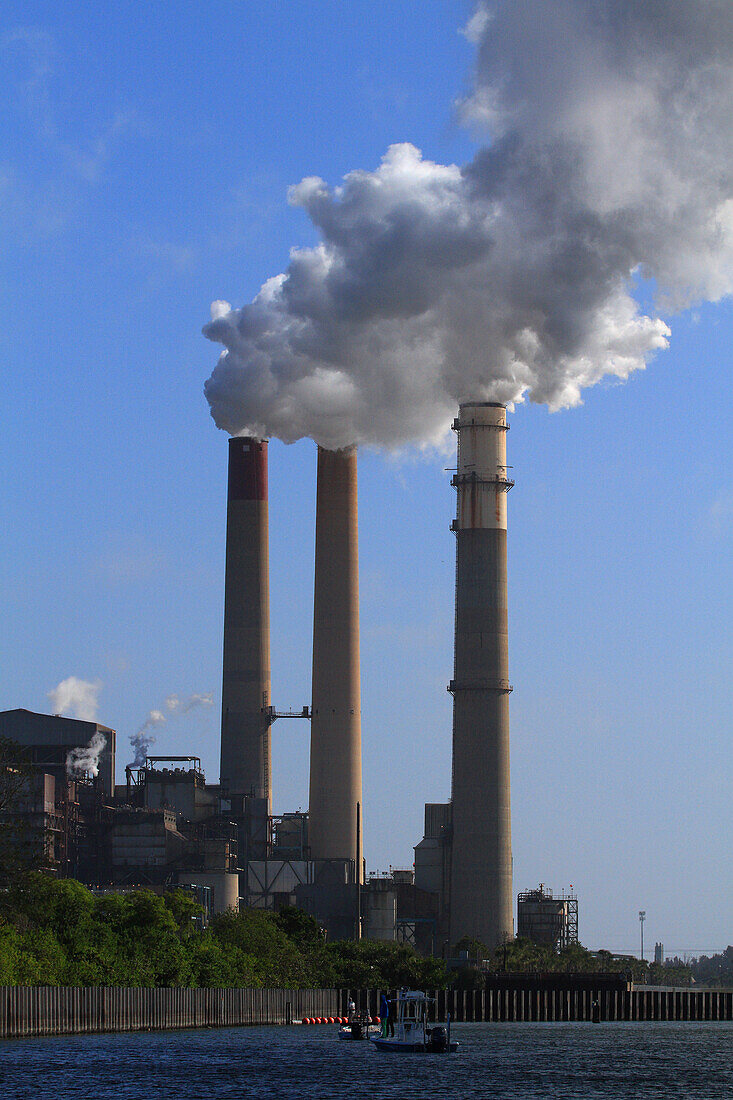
144	738
174	704
85	760
609	158
182	706
76	698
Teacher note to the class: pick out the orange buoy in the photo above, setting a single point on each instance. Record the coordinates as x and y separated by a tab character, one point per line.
377	1020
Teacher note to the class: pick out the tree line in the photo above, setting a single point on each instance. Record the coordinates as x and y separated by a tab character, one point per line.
523	956
57	932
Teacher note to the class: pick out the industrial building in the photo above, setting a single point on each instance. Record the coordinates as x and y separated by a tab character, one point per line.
546	919
163	827
166	825
462	884
48	740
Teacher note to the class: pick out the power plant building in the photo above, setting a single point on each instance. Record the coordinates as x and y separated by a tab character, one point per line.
49	738
167	825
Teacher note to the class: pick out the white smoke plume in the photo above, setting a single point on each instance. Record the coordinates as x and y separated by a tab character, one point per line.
76	698
609	159
85	759
145	737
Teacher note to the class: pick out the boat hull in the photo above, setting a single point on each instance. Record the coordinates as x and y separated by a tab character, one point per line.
408	1046
346	1034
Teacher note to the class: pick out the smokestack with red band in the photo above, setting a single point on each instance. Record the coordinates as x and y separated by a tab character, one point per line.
245	720
481	876
335	767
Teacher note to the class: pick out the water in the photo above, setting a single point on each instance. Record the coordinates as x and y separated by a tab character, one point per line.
497	1061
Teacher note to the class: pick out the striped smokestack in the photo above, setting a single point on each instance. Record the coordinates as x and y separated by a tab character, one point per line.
245	721
335	764
481	877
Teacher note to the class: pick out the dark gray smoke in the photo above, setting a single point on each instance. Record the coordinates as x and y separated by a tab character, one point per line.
144	738
609	158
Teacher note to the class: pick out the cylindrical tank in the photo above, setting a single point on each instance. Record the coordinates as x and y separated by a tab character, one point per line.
245	719
335	762
224	886
481	863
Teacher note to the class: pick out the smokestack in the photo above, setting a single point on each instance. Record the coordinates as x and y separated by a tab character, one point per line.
481	876
335	765
245	719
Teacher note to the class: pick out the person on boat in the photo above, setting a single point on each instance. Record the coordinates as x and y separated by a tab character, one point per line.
384	1013
351	1009
389	1026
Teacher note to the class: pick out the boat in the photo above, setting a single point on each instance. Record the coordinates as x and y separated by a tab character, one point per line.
357	1027
412	1035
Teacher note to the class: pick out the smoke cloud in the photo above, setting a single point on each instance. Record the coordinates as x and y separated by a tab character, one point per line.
144	738
142	741
76	698
608	159
85	760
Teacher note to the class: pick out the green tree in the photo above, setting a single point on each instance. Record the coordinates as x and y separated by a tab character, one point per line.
274	958
304	931
714	969
384	965
186	911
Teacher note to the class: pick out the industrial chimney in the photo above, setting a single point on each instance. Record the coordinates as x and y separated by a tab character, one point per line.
334	822
481	875
245	711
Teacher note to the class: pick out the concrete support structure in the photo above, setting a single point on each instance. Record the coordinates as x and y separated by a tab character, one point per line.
335	762
481	866
245	717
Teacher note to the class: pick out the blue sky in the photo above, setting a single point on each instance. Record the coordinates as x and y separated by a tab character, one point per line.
143	170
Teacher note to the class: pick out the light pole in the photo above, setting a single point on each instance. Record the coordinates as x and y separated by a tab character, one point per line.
642	918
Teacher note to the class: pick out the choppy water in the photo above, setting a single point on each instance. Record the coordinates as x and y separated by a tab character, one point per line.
497	1061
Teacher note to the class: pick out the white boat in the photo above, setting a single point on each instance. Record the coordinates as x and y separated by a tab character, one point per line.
412	1035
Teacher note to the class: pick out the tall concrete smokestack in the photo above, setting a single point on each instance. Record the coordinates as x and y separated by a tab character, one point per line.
335	764
481	875
245	722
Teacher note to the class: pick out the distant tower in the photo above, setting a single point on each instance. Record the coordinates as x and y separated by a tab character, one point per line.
245	717
481	867
335	762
